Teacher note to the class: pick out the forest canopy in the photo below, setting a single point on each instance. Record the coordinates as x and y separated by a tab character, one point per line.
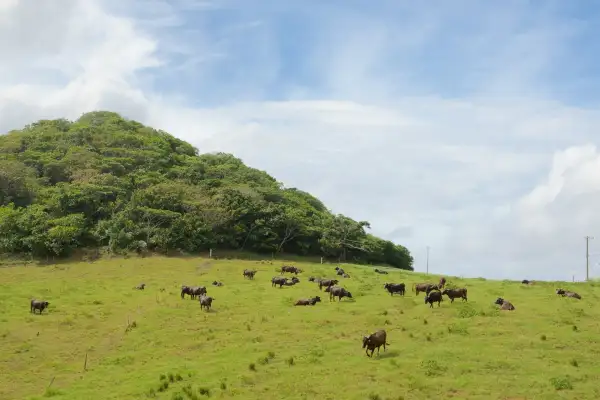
105	181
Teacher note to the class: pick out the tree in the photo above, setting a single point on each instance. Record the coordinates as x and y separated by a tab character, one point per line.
104	180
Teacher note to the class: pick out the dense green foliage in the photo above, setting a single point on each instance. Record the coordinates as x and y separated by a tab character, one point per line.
107	181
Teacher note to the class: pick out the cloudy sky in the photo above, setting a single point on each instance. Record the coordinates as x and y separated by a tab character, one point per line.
467	126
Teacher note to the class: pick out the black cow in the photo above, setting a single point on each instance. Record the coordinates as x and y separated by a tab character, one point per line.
38	305
291	269
399	288
435	296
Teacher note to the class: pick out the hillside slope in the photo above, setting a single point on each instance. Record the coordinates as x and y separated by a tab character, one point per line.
107	181
255	344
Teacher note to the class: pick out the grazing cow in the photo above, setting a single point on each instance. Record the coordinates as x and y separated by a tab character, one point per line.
141	286
249	273
375	340
379	271
435	296
504	305
455	294
423	287
340	272
327	283
345	276
399	288
291	269
38	305
442	283
567	293
308	302
215	283
192	291
525	282
206	302
312	279
339	292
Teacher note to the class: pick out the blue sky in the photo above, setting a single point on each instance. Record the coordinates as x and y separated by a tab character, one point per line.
467	126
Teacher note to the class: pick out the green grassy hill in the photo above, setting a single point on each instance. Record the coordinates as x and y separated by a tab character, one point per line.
256	345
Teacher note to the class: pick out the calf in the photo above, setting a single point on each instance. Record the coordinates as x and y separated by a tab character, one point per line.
340	272
308	302
38	305
249	273
435	296
399	288
215	283
141	286
455	294
345	276
379	271
375	340
423	287
291	269
339	292
504	305
567	293
206	302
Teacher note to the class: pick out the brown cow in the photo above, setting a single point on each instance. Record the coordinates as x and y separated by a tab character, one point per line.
442	283
339	292
308	302
567	293
375	340
504	305
456	293
423	287
327	283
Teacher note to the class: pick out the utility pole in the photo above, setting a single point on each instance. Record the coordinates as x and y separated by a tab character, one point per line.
587	257
427	260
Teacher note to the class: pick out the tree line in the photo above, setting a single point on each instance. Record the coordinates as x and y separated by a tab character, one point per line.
106	181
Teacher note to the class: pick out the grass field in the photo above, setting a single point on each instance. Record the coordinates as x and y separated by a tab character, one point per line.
255	345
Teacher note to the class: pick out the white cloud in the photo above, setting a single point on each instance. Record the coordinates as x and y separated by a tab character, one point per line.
467	174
